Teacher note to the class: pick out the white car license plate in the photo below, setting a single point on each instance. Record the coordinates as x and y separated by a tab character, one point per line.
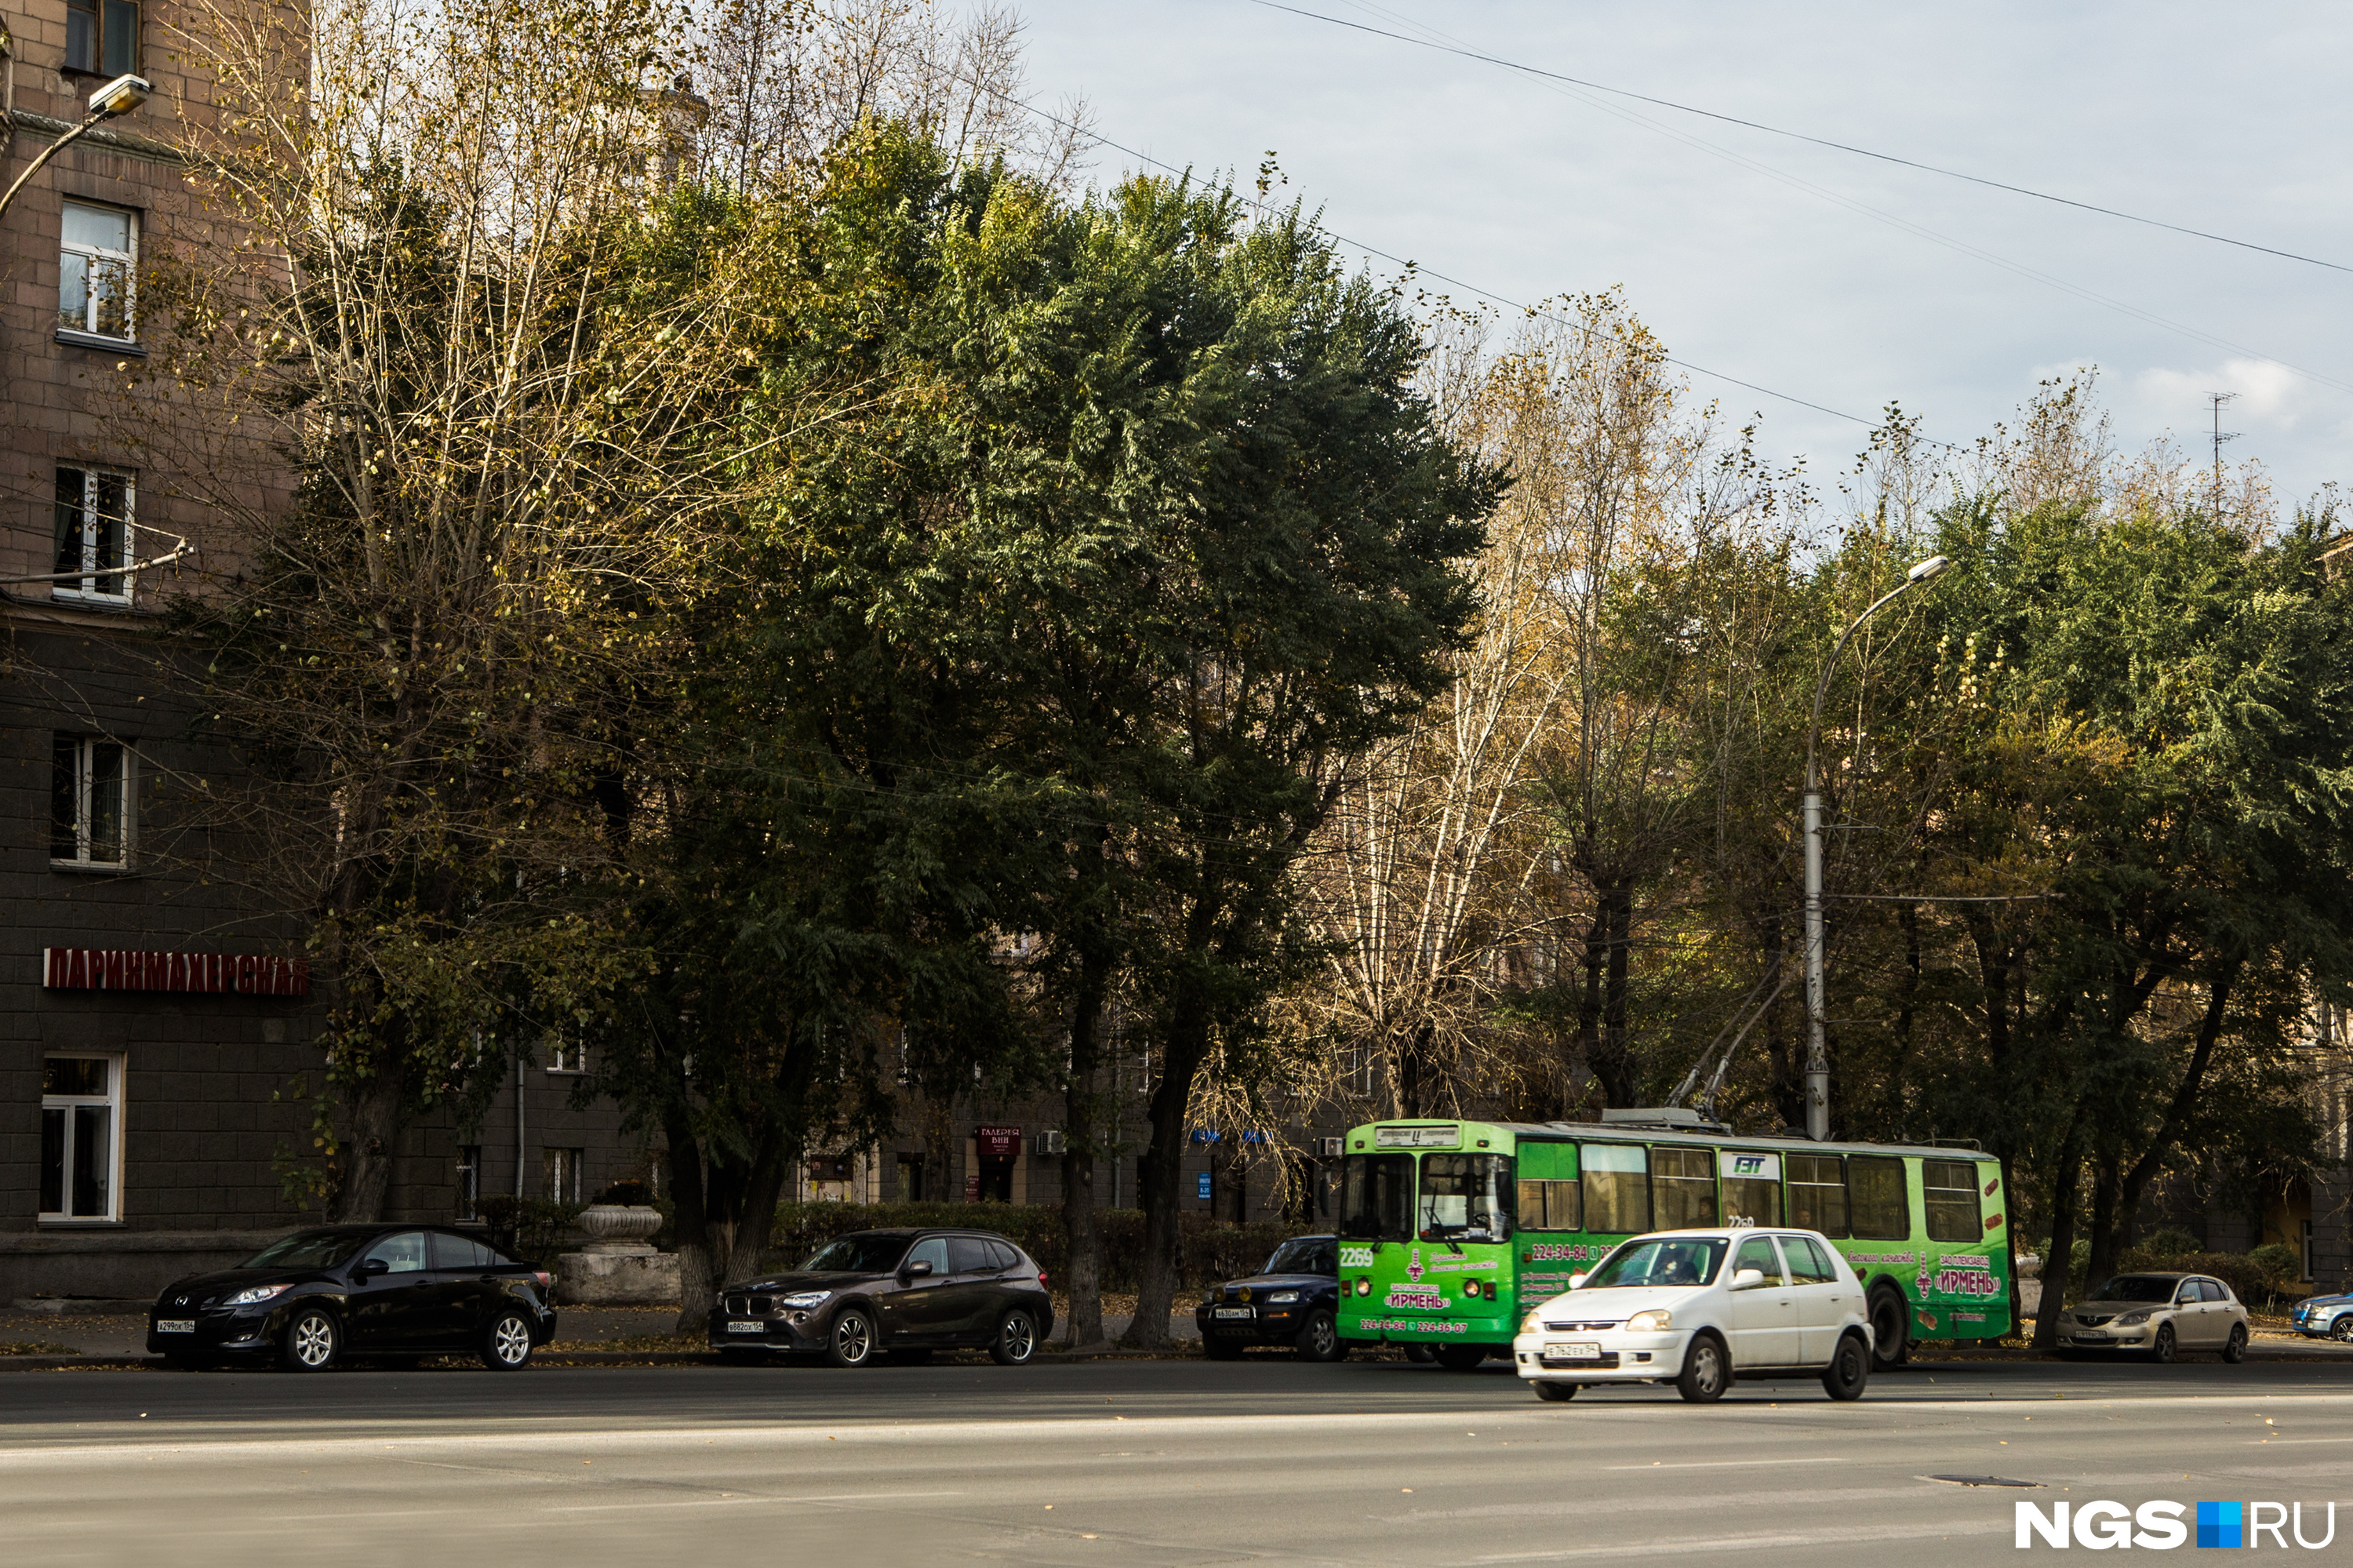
2092	1334
175	1325
1231	1312
747	1328
1572	1350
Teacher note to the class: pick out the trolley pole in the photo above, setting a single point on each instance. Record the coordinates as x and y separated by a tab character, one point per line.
1818	1056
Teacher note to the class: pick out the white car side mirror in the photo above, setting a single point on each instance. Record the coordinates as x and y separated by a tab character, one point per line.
1576	1281
1748	1279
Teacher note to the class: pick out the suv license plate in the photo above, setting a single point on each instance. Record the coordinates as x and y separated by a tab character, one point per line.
1231	1312
747	1328
175	1325
1572	1350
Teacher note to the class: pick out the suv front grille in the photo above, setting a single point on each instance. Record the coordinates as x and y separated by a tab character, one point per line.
743	1306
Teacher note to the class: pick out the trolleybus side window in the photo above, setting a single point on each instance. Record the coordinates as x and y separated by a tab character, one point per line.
1752	1186
1466	1196
1817	1193
1879	1198
1377	1197
1682	1187
1548	1192
1950	1190
1617	1188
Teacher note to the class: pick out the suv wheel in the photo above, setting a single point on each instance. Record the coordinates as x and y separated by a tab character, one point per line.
312	1340
1849	1370
851	1342
1707	1370
507	1346
1017	1339
2236	1350
1320	1341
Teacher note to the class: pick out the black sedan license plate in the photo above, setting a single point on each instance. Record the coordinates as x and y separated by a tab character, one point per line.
747	1328
1232	1312
176	1326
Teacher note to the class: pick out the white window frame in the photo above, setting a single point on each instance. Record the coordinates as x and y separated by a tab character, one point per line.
85	747
469	1182
562	1169
89	588
68	1104
568	1050
93	257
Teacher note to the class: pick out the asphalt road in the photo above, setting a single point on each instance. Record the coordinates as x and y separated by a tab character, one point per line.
1125	1462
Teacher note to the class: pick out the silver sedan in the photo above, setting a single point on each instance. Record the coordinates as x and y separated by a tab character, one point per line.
2158	1315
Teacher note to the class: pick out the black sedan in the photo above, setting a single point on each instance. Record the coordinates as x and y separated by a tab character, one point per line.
319	1295
901	1294
1294	1301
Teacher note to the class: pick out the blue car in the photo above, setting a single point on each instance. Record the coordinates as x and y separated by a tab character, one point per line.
2325	1317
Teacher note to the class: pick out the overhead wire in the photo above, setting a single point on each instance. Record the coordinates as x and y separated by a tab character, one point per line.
1454	47
1865	210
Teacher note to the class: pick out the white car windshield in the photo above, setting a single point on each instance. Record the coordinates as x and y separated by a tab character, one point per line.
1679	1260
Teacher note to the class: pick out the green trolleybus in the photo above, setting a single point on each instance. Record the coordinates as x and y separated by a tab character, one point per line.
1451	1230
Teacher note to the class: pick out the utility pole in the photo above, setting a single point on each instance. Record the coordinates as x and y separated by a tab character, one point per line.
1817	1055
2215	400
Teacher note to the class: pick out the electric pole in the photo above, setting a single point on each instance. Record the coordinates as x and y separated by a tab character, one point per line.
2215	400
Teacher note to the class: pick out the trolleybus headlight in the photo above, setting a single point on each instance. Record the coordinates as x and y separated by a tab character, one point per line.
1649	1323
1364	1284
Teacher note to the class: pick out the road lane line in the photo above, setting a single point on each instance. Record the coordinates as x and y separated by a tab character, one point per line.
1755	1543
1730	1464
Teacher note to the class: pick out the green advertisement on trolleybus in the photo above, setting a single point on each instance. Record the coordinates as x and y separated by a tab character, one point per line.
1451	1230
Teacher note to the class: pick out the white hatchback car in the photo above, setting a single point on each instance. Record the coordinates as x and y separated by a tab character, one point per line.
1699	1309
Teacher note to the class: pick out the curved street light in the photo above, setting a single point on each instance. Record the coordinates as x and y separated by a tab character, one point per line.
1817	1060
120	96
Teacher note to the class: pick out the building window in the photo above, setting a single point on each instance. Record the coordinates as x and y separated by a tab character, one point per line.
98	252
470	1180
90	801
568	1050
561	1170
94	526
102	36
81	1122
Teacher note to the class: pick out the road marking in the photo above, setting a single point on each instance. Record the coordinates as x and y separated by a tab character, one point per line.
713	1502
1728	1464
1755	1543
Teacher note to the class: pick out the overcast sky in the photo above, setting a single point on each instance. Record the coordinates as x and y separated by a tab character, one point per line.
2232	121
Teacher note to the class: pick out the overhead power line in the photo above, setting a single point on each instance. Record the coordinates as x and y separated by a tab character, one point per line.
1498	60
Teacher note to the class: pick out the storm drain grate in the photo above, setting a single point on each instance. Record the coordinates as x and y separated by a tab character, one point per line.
1983	1481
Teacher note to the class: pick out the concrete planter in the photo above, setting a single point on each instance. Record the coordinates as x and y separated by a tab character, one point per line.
620	1228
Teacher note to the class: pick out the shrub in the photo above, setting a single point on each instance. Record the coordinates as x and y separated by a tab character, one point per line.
2280	1265
632	1192
2170	1241
530	1229
1209	1250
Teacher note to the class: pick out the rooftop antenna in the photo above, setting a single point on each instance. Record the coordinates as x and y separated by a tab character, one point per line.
2216	401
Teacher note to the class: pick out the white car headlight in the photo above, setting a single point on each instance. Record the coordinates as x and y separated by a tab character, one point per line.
1532	1323
258	1293
1280	1297
2129	1318
802	1300
1649	1323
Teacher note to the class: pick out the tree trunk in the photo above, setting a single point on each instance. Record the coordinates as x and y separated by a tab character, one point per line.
760	1184
2060	1264
1601	1014
1083	1236
698	1271
377	1110
1160	1172
2107	1178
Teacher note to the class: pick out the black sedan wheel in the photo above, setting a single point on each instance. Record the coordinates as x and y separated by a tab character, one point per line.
1849	1370
1319	1339
312	1340
2236	1350
507	1346
851	1343
1017	1339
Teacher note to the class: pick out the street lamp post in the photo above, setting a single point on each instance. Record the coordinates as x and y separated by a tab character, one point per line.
120	96
1818	1059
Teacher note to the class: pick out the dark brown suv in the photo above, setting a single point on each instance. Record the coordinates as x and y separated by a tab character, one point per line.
901	1294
